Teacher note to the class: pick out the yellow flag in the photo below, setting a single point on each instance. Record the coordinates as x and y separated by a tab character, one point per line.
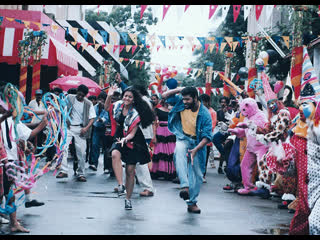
96	46
211	46
286	40
211	38
223	45
113	36
137	62
74	33
84	46
199	73
121	59
133	36
234	45
128	47
74	43
93	33
229	40
38	24
109	48
10	19
26	24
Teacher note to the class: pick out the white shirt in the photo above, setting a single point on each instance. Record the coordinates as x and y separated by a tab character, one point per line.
148	131
35	107
23	131
77	112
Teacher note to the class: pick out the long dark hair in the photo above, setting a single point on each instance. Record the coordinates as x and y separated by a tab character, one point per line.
145	112
289	102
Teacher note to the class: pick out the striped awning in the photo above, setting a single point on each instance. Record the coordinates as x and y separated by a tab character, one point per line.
90	59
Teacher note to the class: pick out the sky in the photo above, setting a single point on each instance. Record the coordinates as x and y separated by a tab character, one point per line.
193	22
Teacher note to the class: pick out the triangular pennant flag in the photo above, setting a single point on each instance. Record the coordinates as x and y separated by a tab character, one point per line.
276	38
67	30
128	47
212	9
109	48
194	47
163	40
134	47
78	45
238	39
181	47
39	25
215	74
74	43
121	48
93	33
137	62
232	76
133	37
121	59
211	38
84	33
206	48
165	10
84	46
26	24
18	21
186	7
115	47
146	65
219	40
1	20
114	37
158	47
229	40
143	8
236	11
96	46
234	45
246	11
172	39
142	38
124	36
54	29
181	37
225	10
286	40
199	73
258	11
202	40
223	45
74	33
104	35
211	46
141	64
10	19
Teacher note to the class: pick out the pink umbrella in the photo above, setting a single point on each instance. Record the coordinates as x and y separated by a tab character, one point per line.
65	83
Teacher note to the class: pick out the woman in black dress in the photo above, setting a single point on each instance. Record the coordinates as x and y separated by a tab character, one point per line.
130	146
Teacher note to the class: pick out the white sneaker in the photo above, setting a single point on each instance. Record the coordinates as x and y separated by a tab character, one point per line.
4	220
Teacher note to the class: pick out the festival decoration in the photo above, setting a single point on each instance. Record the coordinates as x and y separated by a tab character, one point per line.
209	73
243	74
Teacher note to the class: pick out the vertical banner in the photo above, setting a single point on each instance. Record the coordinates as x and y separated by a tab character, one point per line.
35	78
23	79
296	70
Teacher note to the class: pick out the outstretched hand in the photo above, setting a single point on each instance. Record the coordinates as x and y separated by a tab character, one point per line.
112	90
193	153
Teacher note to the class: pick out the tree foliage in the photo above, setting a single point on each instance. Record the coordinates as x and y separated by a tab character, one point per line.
123	21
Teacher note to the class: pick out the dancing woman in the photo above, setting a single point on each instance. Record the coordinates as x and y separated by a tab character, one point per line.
130	146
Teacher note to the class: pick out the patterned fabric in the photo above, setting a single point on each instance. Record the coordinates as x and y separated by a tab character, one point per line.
314	186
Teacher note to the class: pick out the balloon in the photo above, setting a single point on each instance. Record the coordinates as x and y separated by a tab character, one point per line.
243	73
164	70
259	64
172	83
158	69
273	56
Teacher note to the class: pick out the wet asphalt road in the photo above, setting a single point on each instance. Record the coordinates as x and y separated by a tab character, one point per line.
91	208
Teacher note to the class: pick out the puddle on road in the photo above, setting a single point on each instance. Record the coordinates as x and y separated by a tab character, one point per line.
281	229
89	217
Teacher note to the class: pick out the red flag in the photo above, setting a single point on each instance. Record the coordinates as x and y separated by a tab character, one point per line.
193	47
212	10
236	11
158	48
78	45
115	47
143	8
258	11
189	70
165	10
206	48
200	90
296	70
208	88
133	48
252	74
217	47
186	7
141	63
121	48
218	90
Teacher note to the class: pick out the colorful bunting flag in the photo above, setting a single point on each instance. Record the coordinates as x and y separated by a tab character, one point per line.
286	41
114	37
115	47
163	40
142	38
236	11
133	37
186	7
26	24
128	47
212	10
84	46
134	47
219	40
165	10
74	33
96	46
18	21
143	8
258	11
234	45
121	48
84	33
104	35
124	36
10	19
202	40
206	48
223	45
229	40
225	10
211	46
1	20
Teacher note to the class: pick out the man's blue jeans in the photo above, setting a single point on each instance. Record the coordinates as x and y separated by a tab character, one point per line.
218	139
98	138
189	175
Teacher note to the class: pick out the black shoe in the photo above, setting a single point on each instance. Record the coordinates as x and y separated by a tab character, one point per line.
220	171
121	190
176	180
127	204
93	167
184	194
33	203
112	174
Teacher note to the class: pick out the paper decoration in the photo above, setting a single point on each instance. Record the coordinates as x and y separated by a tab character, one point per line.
141	64
223	45
158	47
96	46
229	40
121	59
84	33
121	48
74	33
1	20
137	62
186	7
286	40
109	48
142	38
93	33
165	10
133	37
124	37
212	10
84	46
246	11
211	46
39	25
10	19
206	48
172	39
115	47
128	47
199	73
211	38
143	8
114	37
232	75
134	47
219	40
18	21
236	11
238	39
26	24
225	10
202	40
234	45
78	45
104	35
163	40
181	37
258	11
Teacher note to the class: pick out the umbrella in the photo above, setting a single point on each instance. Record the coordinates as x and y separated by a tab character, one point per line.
67	82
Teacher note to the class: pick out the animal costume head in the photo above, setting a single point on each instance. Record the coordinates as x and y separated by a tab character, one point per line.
249	107
280	126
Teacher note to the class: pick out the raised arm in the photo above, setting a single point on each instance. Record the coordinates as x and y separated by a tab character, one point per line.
107	103
171	92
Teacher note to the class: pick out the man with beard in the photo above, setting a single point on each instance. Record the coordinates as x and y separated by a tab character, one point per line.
190	121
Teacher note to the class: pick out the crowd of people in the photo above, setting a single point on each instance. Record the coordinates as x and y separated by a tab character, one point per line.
267	145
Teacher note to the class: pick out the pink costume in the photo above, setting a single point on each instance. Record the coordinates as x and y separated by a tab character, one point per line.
255	150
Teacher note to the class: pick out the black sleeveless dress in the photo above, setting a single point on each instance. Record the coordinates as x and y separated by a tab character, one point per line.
139	153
